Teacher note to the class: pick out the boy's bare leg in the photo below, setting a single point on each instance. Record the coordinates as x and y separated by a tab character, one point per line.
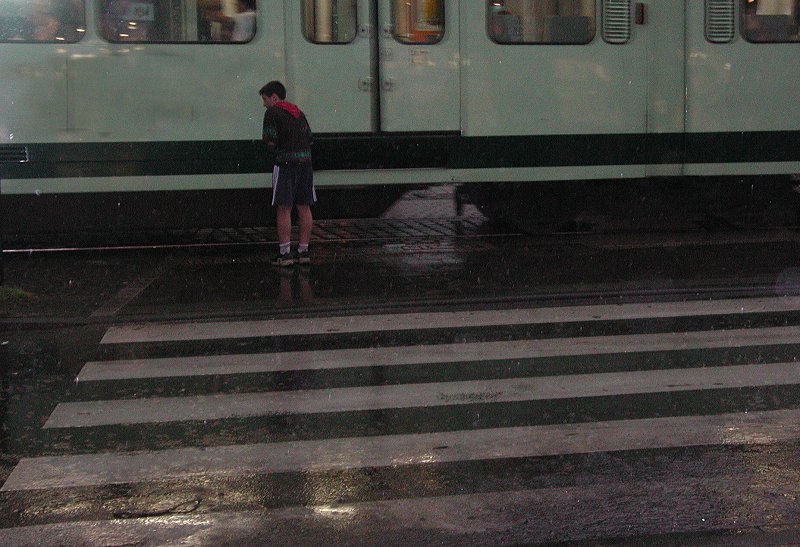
284	221
306	221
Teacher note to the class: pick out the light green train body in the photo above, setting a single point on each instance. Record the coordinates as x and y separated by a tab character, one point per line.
667	87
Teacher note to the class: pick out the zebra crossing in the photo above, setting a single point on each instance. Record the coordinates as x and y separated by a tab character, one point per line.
411	393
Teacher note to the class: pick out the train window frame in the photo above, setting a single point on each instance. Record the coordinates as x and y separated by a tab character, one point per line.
101	10
490	23
78	29
746	19
437	37
304	21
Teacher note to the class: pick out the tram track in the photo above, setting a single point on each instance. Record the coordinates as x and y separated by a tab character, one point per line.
459	269
390	233
325	231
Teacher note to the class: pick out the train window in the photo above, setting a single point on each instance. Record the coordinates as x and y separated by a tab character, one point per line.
177	21
55	21
541	21
771	20
329	21
418	21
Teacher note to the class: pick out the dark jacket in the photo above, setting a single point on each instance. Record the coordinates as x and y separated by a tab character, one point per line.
286	127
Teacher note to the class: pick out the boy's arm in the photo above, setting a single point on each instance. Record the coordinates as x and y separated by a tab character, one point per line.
270	131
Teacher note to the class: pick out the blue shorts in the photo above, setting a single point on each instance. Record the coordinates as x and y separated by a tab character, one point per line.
293	184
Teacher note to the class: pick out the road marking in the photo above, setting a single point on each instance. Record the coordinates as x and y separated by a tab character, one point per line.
156	332
397	450
171	367
318	401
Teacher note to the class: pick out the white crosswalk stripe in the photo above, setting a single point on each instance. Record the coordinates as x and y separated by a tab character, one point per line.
429	354
392	450
216	407
701	427
157	332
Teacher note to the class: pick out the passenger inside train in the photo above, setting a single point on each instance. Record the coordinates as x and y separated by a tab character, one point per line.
239	26
170	22
42	21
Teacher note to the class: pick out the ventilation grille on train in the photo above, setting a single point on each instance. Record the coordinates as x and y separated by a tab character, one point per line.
719	21
616	21
13	154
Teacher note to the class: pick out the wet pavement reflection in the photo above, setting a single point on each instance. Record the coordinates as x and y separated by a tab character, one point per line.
514	267
451	389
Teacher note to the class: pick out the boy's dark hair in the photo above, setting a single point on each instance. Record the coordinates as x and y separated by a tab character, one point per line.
274	87
249	4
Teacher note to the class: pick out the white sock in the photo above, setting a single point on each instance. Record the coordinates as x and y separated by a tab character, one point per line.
285	247
303	248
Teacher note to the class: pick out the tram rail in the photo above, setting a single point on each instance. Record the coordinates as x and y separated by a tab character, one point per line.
340	230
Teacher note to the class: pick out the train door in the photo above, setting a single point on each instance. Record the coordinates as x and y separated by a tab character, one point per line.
576	69
375	65
743	102
329	63
663	22
419	65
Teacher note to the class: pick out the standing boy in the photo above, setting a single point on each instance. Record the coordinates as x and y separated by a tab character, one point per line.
286	131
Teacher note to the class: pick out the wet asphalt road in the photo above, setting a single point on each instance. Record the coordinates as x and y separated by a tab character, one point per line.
451	388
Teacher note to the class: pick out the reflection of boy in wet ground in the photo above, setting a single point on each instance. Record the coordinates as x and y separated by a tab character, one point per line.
286	131
294	288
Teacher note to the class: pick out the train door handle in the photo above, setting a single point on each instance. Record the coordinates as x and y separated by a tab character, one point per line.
640	13
365	84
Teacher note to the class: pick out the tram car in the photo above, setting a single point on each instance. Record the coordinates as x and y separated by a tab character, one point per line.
145	113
